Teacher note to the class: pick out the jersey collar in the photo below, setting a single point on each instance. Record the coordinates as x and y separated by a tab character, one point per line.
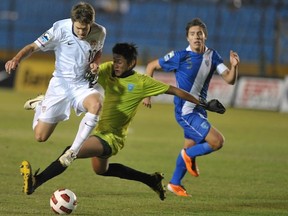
76	35
125	74
189	48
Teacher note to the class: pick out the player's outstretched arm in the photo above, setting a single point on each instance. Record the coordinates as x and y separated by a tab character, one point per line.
230	76
213	106
23	53
182	94
151	67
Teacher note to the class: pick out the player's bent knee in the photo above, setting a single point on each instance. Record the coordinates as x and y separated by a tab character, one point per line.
98	167
100	171
95	107
218	143
40	137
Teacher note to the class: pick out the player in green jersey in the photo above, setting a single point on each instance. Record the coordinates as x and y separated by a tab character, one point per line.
124	91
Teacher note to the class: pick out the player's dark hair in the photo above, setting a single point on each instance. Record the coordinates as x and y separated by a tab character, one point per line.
83	13
127	50
197	22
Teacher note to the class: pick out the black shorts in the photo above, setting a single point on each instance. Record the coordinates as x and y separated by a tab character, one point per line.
107	151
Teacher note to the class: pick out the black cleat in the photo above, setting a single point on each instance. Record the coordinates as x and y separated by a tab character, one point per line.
158	185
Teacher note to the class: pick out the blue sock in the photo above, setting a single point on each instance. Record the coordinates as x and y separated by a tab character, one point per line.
199	149
179	172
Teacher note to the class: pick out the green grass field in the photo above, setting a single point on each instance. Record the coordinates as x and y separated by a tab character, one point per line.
248	176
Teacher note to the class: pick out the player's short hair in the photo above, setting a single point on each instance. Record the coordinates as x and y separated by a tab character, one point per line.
127	50
83	13
197	22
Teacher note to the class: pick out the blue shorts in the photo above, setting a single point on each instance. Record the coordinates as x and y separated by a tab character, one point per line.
195	126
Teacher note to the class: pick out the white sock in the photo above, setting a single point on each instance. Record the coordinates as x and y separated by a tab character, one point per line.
86	126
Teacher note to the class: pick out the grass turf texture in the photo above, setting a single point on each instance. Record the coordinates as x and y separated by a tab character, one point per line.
247	177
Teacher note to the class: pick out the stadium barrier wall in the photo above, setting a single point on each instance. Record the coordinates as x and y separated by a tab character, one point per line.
34	75
284	96
259	93
249	92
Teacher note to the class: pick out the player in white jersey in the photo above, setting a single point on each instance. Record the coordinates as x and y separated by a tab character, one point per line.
77	43
194	68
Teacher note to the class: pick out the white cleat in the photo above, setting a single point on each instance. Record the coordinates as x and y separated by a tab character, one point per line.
32	103
67	158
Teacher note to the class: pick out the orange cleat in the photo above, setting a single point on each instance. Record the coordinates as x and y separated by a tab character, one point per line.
179	190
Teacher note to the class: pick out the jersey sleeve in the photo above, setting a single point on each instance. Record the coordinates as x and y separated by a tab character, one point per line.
153	87
218	61
105	69
102	38
47	41
170	61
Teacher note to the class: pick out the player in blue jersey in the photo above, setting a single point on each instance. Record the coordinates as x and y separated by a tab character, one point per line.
194	67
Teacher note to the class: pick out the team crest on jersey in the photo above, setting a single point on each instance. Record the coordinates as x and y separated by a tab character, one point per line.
169	56
130	87
44	38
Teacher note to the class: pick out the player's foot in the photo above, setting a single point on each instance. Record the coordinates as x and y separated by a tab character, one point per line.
28	178
158	185
32	103
179	190
67	158
190	163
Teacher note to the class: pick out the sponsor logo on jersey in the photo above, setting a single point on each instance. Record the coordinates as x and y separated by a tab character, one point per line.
169	56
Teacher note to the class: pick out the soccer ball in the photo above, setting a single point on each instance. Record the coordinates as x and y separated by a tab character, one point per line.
63	201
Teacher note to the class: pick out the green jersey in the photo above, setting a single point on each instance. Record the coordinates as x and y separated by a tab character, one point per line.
122	97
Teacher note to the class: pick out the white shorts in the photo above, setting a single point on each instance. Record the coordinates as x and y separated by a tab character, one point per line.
61	96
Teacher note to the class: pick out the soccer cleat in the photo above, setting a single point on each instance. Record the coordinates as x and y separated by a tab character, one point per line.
179	190
67	158
158	185
32	103
190	163
28	178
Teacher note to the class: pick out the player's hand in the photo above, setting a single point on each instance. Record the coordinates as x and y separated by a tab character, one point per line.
213	105
234	58
11	65
147	102
94	68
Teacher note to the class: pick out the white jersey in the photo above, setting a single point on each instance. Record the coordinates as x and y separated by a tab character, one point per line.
68	87
73	55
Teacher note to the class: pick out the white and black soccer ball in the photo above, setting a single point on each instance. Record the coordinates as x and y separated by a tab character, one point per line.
63	201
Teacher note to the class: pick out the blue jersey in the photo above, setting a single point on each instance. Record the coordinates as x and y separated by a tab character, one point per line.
193	73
